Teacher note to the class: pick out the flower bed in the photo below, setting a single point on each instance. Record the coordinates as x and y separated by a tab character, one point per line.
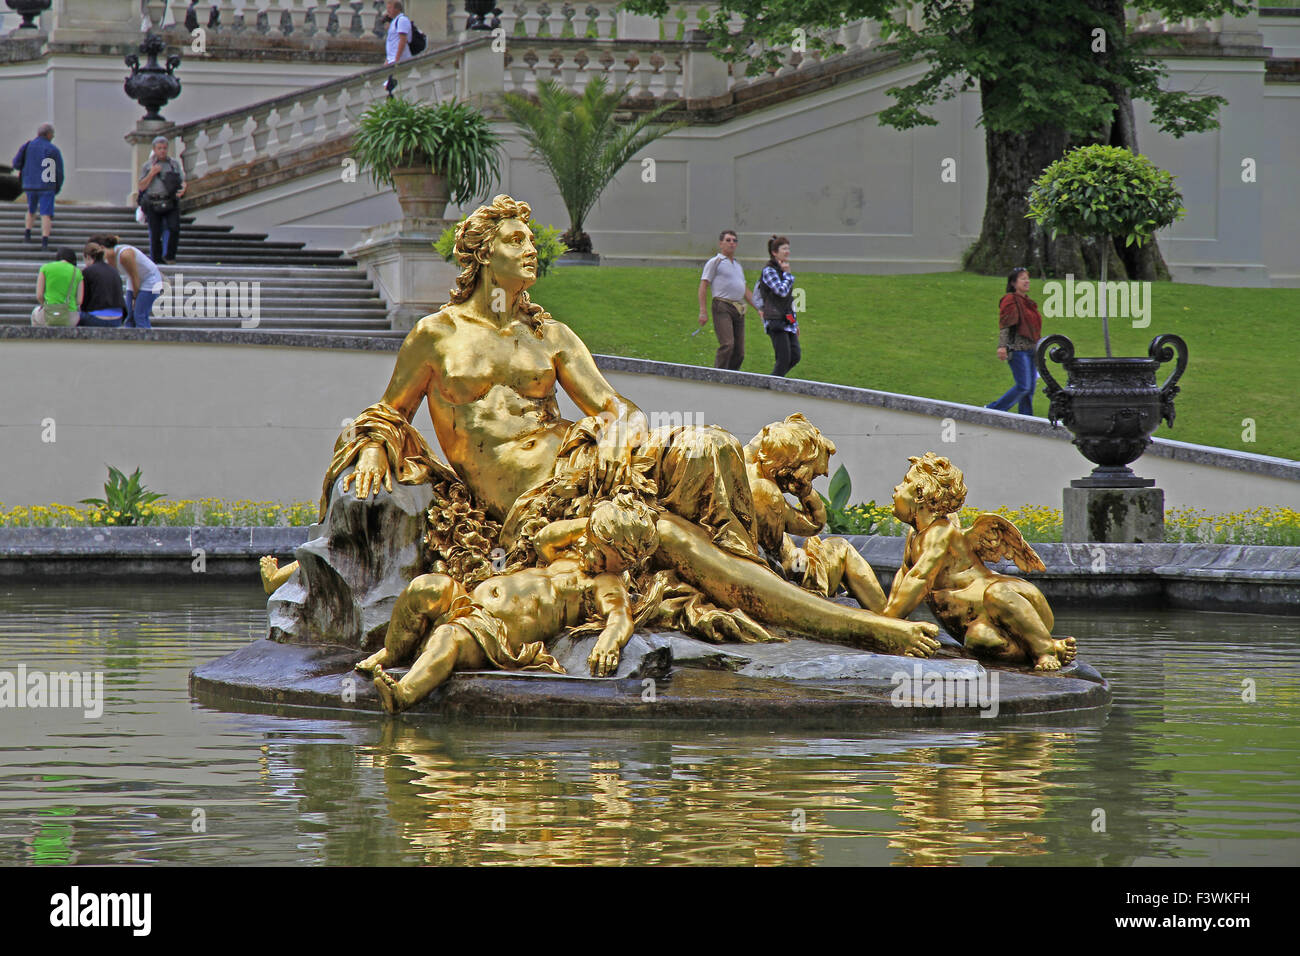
1264	525
1269	526
201	512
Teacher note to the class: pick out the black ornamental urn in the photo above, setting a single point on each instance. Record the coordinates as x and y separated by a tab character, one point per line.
29	10
1111	405
483	15
151	85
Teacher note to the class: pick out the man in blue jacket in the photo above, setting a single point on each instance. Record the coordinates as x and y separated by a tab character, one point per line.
41	165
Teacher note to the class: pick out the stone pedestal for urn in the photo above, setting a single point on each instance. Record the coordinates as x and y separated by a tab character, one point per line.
400	260
1112	405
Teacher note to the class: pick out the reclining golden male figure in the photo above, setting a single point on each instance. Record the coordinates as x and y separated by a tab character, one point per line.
1000	617
508	618
488	364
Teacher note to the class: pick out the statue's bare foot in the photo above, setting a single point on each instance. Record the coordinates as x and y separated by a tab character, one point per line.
915	639
274	576
371	663
389	692
1067	649
1047	662
268	565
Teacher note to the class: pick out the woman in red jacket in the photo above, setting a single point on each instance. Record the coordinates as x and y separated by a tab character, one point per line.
1019	328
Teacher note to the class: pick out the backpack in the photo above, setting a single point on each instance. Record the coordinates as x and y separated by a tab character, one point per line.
757	294
418	40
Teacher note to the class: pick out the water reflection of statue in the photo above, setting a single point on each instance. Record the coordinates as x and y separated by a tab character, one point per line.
488	364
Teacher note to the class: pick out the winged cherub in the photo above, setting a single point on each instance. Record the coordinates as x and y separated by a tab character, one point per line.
999	617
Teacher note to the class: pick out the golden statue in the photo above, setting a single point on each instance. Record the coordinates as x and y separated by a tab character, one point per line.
999	617
487	365
508	618
784	458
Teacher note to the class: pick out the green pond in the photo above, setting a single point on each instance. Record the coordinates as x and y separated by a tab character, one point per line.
1194	763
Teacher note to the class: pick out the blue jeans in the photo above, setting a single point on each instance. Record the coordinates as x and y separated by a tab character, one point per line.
1026	376
95	322
138	306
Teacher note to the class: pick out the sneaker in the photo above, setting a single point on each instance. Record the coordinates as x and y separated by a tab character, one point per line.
45	243
27	235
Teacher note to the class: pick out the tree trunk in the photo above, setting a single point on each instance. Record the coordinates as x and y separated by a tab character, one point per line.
1145	263
1007	239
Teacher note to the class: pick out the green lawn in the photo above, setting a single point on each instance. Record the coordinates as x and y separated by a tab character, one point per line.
935	335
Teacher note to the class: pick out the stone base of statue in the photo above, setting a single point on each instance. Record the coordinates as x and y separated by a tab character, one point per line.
1113	515
400	260
665	676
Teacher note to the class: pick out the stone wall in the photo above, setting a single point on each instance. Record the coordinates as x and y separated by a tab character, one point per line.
255	415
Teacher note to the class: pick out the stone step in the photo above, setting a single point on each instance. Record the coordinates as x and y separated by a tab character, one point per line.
318	276
323	325
237	255
14	302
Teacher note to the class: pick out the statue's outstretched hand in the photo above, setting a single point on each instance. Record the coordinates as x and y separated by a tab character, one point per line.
371	471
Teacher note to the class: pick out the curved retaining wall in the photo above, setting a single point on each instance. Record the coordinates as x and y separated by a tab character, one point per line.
255	415
1215	577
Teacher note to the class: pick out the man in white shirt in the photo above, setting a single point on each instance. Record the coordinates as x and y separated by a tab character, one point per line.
398	43
730	293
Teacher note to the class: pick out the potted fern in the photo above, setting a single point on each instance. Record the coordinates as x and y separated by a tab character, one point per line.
429	153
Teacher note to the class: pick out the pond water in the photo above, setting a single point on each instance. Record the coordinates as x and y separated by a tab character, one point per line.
1181	770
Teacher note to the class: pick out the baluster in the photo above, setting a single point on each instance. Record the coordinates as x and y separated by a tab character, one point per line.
620	71
672	73
259	133
604	16
221	148
273	140
371	18
639	71
297	15
555	19
532	18
579	16
294	123
509	18
655	80
196	164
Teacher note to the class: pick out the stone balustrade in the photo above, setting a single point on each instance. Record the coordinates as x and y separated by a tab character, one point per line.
654	70
314	116
272	18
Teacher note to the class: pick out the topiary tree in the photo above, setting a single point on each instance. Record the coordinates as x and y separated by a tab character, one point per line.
1107	192
579	142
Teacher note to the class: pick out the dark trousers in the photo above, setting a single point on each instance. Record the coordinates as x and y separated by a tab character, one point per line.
729	326
164	232
788	353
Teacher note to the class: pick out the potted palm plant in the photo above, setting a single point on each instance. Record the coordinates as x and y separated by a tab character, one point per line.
581	144
429	153
1111	405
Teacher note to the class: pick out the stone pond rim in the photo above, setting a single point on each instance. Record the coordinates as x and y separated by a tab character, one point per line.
666	678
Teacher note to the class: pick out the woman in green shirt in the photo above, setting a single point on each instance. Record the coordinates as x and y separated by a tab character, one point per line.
59	288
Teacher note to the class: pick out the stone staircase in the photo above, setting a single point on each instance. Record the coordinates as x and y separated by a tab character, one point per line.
300	290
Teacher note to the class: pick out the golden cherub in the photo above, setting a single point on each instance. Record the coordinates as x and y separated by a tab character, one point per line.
508	618
998	616
784	458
